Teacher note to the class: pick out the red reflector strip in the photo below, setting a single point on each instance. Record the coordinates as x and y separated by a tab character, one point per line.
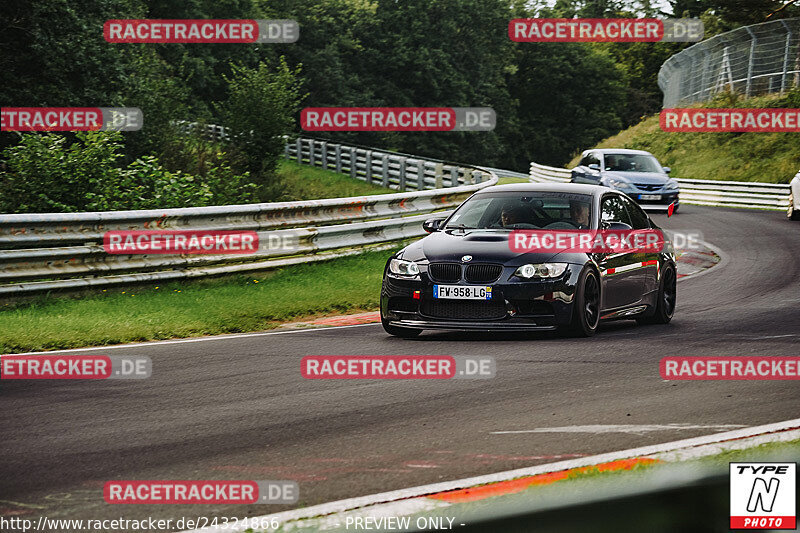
611	270
417	295
649	263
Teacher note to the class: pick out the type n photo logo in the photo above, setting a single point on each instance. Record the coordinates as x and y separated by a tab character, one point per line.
763	495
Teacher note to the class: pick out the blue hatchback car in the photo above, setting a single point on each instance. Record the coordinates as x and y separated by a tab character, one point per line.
634	172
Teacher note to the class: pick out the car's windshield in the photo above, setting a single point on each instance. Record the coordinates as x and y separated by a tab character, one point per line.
523	210
632	163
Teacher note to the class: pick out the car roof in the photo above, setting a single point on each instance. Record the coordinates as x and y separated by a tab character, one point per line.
605	151
574	188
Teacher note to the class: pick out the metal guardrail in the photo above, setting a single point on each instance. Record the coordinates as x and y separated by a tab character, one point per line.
754	195
752	60
50	251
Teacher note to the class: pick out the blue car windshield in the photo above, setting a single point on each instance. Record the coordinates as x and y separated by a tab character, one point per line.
523	210
632	163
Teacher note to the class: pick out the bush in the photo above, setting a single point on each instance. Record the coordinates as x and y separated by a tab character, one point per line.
260	109
45	173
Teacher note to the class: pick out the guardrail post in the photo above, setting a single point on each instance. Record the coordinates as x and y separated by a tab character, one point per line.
420	175
437	172
368	166
385	170
286	151
786	56
402	175
750	61
454	176
338	148
325	155
353	169
299	148
311	149
477	176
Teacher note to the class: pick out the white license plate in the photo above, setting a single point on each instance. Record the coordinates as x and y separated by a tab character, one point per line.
462	292
649	197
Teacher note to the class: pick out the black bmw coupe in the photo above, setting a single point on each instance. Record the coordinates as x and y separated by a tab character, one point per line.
466	275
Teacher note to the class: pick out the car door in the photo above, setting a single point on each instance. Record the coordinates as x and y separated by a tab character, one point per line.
621	284
649	261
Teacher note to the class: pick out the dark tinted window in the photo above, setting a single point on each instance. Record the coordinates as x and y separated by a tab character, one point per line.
613	210
637	215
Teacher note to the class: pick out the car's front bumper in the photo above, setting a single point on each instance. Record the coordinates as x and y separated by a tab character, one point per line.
663	202
515	305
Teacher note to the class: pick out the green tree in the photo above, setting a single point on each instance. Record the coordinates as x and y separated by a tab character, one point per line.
571	96
260	110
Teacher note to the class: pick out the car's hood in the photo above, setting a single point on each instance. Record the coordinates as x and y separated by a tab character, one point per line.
485	246
649	178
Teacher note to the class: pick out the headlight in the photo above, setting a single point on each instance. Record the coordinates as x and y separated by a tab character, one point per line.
542	270
671	185
403	268
619	184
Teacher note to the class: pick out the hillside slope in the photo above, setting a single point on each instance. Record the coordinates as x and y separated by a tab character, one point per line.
768	157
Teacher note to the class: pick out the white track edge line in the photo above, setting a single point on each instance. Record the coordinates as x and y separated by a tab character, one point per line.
197	339
423	490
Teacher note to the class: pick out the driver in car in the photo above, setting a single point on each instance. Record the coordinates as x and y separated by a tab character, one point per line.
511	215
579	211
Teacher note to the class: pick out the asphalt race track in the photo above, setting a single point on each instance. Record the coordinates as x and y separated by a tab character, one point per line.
238	408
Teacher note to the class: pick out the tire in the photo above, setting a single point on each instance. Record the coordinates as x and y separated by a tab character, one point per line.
792	213
586	307
405	333
667	297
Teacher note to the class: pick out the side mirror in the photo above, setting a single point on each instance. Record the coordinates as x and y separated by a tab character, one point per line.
667	169
594	166
432	224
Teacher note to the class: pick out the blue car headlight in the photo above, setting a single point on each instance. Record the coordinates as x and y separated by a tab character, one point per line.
620	184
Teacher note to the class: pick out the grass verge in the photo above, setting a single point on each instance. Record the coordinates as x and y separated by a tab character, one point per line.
302	182
207	307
